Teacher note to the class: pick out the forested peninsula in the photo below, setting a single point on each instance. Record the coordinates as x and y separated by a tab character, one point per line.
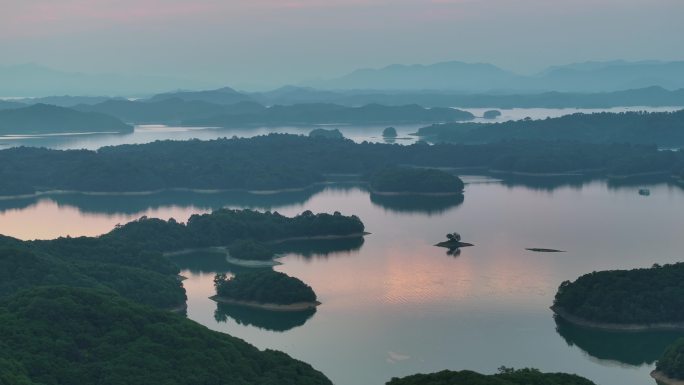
661	128
46	119
280	161
670	367
55	335
117	290
639	299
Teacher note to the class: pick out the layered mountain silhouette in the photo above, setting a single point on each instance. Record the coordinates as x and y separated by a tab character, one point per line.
481	77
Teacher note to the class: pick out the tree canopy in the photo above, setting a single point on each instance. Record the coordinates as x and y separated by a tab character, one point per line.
639	296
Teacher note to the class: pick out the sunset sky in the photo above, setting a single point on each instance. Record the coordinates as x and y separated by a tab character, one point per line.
270	42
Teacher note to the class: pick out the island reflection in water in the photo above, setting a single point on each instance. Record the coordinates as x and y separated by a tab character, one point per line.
627	348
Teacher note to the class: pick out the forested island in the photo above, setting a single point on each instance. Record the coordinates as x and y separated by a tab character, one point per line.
265	289
506	376
280	161
226	226
670	367
70	335
661	128
47	119
639	299
405	180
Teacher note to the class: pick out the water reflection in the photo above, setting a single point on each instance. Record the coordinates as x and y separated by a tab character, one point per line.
262	319
205	262
417	204
628	348
321	248
134	204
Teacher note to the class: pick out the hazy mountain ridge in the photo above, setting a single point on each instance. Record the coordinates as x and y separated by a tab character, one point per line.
479	77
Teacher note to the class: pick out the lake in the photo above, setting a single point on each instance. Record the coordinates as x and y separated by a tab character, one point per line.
393	304
358	133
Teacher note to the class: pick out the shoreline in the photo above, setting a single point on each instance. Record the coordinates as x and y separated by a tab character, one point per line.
224	250
298	306
221	249
578	321
410	193
662	377
453	245
39	194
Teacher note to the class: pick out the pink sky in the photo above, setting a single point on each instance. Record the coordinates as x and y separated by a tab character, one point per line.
270	41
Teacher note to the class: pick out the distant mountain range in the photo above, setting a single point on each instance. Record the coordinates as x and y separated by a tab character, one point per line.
481	77
31	80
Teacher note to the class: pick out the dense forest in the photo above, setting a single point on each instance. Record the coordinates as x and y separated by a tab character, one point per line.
505	376
225	226
661	128
640	296
280	161
47	119
264	286
672	361
415	180
58	335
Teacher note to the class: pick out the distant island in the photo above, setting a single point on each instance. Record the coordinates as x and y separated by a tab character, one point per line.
327	134
419	181
670	367
491	114
389	132
661	128
639	299
268	290
46	119
506	376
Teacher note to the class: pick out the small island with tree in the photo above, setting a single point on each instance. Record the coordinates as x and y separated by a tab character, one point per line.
453	242
270	290
415	181
670	368
639	299
389	132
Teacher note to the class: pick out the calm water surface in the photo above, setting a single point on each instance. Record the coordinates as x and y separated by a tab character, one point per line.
150	133
394	304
